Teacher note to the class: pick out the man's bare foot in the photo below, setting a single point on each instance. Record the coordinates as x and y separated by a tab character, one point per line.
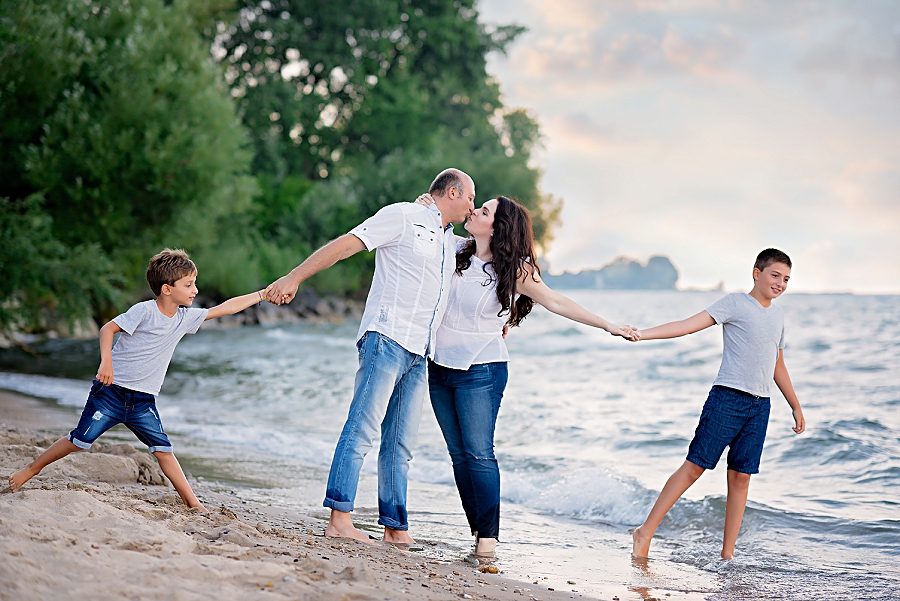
21	477
341	526
351	532
640	544
397	537
485	547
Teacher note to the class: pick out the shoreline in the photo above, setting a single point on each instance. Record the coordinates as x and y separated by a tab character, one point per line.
88	514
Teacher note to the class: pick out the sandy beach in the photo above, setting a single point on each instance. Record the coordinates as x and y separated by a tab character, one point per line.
104	524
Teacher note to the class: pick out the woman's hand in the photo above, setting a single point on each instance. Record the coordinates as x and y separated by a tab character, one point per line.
426	200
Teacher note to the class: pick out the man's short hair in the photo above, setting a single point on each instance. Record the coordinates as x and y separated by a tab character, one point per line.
168	267
769	256
444	181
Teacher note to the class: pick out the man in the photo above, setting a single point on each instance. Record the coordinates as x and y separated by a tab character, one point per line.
415	257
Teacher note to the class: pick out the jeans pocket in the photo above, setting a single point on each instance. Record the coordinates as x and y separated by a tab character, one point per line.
361	346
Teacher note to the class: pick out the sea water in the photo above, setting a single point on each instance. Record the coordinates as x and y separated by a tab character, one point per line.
589	430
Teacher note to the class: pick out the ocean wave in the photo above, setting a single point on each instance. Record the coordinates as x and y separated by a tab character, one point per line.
592	494
72	393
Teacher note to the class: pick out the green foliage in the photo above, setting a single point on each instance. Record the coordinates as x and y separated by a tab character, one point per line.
41	279
120	134
373	98
115	114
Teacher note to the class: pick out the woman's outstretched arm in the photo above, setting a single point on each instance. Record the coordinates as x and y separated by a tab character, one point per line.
530	284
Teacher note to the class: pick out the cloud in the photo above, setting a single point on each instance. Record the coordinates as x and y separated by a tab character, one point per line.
707	130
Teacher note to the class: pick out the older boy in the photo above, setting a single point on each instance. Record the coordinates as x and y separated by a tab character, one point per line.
736	412
131	373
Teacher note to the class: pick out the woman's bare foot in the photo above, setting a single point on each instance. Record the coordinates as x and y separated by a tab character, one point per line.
485	547
396	537
727	554
341	526
641	544
21	477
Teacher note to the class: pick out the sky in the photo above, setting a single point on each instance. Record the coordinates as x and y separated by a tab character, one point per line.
708	130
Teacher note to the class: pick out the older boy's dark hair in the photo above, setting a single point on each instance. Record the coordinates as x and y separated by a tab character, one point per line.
769	256
168	267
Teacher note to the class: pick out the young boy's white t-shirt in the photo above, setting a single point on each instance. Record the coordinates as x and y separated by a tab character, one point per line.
144	349
753	335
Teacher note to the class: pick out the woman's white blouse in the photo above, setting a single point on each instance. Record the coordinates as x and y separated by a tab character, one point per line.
471	332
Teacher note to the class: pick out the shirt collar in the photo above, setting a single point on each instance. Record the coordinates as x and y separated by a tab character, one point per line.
437	213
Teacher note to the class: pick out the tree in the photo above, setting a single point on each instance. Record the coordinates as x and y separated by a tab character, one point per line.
41	279
337	90
117	123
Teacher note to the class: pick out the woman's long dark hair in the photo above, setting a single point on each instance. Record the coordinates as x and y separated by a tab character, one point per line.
512	246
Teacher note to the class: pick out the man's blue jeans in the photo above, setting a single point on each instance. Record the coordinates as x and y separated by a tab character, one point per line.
466	403
390	385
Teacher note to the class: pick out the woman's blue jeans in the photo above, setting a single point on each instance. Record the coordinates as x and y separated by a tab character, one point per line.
466	403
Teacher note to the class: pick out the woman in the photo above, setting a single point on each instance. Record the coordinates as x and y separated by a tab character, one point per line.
496	284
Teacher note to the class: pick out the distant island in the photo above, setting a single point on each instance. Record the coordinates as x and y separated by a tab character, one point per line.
622	273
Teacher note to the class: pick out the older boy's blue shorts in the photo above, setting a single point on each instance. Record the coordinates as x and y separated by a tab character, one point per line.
107	406
731	418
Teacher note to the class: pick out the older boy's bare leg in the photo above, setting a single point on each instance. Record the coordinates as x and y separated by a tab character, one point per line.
675	486
397	536
738	487
55	452
340	525
172	469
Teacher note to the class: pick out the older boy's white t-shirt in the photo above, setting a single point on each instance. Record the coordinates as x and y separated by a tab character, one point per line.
753	335
144	349
414	260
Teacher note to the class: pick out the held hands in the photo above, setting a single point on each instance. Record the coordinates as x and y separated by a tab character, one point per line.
627	332
105	373
281	291
799	421
426	200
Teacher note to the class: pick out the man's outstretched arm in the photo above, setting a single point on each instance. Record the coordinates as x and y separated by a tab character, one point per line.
284	289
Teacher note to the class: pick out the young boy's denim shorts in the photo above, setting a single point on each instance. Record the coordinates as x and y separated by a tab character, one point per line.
107	406
731	418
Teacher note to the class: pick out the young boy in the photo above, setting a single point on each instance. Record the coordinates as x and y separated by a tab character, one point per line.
132	372
736	412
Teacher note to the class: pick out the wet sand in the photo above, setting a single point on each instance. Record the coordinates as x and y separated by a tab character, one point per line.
104	524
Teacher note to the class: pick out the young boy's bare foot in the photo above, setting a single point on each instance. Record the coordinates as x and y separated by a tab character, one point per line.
640	544
397	537
21	477
54	452
341	526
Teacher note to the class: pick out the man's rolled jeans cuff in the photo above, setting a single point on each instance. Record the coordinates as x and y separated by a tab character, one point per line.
345	506
81	445
160	449
392	524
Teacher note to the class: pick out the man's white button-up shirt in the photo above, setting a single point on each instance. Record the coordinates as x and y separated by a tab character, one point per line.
414	259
